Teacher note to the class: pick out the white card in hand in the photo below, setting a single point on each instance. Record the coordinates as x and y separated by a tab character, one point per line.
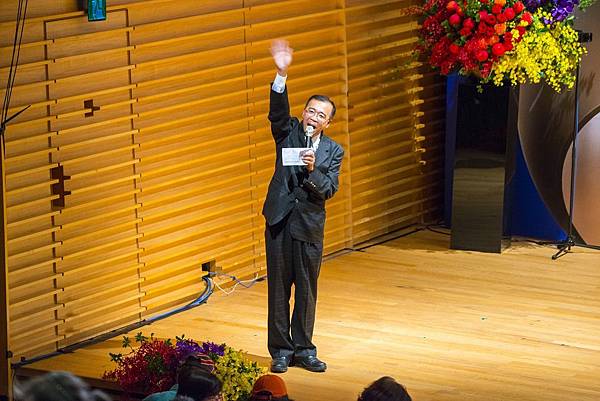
293	156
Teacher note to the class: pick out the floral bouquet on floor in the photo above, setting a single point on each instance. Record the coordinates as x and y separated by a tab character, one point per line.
516	41
153	365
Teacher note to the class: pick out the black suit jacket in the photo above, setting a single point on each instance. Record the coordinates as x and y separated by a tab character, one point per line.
292	188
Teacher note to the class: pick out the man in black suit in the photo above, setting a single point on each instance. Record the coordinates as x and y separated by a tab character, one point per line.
295	217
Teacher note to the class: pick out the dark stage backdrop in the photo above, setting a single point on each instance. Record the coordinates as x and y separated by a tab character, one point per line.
545	132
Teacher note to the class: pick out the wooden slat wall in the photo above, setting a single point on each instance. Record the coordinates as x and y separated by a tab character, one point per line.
196	193
395	175
156	121
5	368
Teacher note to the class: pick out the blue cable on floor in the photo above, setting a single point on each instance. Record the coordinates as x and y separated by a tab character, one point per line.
102	337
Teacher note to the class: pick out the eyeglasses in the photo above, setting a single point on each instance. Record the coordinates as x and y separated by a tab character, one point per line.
319	115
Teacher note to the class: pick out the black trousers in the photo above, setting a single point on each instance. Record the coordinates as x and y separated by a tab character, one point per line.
290	261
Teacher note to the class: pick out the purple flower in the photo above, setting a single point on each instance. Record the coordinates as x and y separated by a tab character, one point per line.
562	9
533	5
213	350
559	9
186	347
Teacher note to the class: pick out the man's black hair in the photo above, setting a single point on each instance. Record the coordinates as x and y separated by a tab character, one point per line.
322	98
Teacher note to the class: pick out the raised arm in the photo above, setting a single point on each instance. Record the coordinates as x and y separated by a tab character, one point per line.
279	108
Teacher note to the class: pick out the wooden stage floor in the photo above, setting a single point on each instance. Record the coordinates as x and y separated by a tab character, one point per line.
450	325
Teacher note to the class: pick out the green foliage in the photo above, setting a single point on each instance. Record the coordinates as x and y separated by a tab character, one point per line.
584	4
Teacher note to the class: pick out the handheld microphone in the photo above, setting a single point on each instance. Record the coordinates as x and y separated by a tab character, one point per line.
309	133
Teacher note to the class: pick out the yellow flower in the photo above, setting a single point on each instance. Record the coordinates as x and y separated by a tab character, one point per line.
546	52
237	374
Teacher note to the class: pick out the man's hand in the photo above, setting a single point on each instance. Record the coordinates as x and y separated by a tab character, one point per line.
309	159
282	55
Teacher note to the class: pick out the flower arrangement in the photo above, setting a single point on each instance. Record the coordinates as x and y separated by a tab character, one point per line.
153	366
517	41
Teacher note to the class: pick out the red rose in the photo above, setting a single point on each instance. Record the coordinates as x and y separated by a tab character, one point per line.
451	6
454	19
498	49
496	9
518	7
464	32
469	23
521	30
484	1
527	17
500	18
508	46
509	14
454	48
481	55
460	11
483	15
490	19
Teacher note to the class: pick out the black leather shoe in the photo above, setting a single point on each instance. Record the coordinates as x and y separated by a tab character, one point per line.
280	365
311	363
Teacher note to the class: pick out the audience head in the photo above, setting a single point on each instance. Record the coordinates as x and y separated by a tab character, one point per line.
196	381
269	388
201	360
385	389
58	386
